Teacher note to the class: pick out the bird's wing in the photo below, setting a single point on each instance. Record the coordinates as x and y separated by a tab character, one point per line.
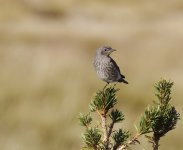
116	67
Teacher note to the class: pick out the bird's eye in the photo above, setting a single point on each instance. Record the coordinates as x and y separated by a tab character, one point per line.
105	49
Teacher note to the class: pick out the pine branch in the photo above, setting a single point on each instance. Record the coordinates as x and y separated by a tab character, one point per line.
116	116
104	100
119	137
91	138
102	103
158	119
85	120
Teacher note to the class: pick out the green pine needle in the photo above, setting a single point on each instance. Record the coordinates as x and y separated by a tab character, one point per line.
120	137
116	116
104	100
91	138
85	120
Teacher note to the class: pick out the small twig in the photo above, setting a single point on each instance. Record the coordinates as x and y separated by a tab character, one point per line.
109	133
132	141
110	129
105	86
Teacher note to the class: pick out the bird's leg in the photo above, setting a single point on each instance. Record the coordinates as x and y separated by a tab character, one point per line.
105	86
115	84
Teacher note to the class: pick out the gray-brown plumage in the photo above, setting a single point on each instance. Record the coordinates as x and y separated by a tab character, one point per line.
106	68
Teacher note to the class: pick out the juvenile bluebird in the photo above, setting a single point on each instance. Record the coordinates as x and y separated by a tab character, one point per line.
106	68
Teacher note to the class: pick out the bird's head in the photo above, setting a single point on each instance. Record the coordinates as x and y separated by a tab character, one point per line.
105	50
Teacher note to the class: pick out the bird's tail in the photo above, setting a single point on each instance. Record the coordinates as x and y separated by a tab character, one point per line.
123	80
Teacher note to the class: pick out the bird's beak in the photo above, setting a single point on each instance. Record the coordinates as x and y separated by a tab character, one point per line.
112	50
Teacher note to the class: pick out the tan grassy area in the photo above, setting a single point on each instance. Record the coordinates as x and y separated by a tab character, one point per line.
46	73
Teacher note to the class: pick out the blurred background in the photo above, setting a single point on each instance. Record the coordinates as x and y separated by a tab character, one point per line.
46	72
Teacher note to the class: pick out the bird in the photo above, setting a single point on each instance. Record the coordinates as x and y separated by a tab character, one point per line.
106	68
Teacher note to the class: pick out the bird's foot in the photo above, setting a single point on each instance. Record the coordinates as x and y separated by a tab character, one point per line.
105	86
115	84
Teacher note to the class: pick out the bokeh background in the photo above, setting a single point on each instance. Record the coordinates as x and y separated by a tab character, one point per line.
46	73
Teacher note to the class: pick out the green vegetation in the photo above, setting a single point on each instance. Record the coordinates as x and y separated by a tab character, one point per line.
157	120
